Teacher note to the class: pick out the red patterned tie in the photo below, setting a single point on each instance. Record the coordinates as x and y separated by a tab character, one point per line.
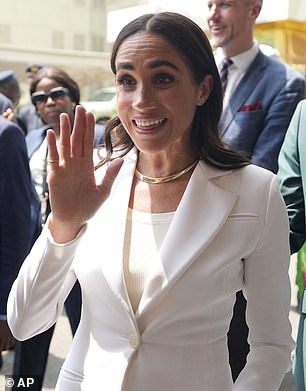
225	63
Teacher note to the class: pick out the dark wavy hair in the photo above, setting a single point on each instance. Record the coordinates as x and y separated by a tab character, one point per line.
193	45
59	76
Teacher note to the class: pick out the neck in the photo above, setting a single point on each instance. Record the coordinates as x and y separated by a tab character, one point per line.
238	48
164	179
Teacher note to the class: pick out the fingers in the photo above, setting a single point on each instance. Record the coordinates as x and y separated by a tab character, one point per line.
65	134
53	157
89	134
82	139
56	157
78	142
9	114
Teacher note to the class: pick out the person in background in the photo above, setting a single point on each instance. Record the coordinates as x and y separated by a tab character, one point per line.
28	113
292	174
17	215
161	233
53	92
9	87
260	96
5	104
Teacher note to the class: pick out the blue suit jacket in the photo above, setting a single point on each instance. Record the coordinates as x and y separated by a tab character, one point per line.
259	111
16	202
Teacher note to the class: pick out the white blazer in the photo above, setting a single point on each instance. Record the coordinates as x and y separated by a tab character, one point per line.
230	232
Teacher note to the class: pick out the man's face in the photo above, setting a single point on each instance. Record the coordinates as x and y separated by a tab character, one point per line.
231	23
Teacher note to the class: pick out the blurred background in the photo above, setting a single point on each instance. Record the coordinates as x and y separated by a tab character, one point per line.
77	35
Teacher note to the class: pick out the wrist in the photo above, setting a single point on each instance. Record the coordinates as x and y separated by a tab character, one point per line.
63	232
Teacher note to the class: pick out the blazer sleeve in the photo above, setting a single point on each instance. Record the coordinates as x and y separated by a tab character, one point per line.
267	290
276	122
44	281
15	207
291	181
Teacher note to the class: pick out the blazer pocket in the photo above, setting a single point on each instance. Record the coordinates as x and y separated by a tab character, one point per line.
257	116
243	216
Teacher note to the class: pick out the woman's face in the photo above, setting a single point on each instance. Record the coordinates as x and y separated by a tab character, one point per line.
157	96
51	109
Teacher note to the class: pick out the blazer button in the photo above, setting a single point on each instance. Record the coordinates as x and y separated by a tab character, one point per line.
133	341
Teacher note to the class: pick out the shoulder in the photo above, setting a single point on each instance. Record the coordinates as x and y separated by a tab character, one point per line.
248	178
10	130
301	107
37	133
278	67
252	171
258	183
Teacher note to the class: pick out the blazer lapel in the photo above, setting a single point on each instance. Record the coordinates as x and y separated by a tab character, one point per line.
35	138
245	89
113	220
201	214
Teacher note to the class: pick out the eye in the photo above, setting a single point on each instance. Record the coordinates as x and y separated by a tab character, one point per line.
125	81
163	79
225	5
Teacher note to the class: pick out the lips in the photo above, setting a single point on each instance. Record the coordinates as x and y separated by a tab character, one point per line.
148	124
215	29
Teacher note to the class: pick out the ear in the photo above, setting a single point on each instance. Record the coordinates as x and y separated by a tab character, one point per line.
255	10
205	89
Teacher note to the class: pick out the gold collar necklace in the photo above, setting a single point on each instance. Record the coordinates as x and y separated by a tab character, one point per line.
169	178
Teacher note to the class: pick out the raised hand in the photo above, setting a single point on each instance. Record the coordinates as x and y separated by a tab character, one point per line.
74	194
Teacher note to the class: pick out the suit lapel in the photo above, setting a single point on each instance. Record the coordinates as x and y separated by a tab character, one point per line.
191	229
242	93
35	138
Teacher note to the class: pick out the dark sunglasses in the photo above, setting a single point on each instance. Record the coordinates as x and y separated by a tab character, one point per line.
55	94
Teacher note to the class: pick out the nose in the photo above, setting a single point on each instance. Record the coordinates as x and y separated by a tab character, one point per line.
144	96
212	12
50	101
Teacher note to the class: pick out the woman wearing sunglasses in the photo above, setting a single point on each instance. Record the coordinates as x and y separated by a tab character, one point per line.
53	92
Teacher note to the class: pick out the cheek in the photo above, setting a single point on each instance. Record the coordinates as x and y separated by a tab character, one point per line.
66	106
184	105
41	111
124	103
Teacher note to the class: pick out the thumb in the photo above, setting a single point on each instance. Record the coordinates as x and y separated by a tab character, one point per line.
110	176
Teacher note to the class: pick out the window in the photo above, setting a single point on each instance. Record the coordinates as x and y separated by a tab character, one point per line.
97	43
5	33
58	39
78	42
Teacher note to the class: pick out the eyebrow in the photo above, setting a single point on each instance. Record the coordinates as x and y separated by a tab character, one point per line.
152	65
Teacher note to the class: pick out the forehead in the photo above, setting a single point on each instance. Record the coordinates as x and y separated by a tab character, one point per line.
230	2
46	84
146	47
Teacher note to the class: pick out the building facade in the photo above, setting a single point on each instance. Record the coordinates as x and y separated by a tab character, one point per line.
77	34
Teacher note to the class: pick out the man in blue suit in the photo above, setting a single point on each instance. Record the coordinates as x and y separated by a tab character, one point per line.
17	215
259	100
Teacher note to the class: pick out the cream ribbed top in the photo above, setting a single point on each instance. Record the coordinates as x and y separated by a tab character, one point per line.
144	235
